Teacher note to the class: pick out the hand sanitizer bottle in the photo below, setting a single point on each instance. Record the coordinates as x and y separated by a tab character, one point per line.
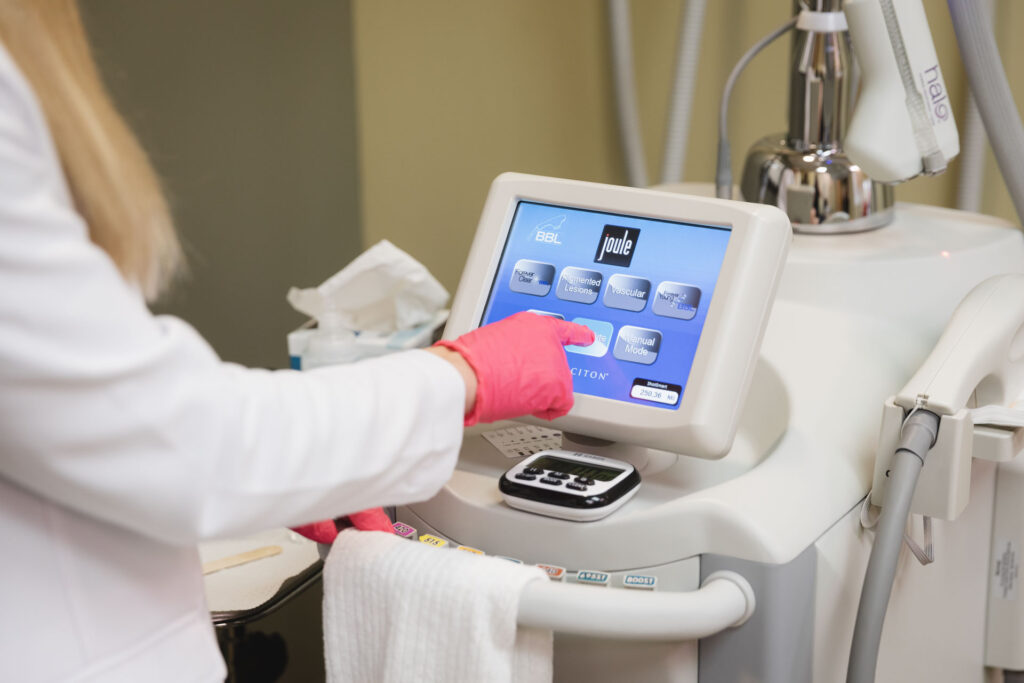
331	344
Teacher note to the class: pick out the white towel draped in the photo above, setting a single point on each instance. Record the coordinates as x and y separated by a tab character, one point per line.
397	611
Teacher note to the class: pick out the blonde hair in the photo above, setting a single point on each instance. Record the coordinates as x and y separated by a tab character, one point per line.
112	182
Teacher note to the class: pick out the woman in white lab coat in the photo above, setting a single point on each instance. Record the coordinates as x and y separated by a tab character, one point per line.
124	439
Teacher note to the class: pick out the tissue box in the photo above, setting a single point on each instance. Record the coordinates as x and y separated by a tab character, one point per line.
370	343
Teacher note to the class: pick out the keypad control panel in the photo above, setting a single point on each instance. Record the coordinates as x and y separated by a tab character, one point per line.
569	485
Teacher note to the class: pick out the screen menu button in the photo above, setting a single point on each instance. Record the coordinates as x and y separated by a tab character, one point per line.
602	337
637	345
579	285
676	300
627	292
532	277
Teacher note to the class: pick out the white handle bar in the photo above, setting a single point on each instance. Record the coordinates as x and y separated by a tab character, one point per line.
724	600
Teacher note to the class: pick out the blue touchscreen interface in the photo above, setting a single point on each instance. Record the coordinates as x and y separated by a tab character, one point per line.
642	285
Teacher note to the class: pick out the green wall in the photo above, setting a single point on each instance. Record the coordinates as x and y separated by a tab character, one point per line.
246	107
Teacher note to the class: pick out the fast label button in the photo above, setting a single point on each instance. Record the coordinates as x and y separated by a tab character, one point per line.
602	337
532	277
637	345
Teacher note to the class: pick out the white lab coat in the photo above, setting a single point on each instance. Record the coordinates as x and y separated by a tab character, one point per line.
124	440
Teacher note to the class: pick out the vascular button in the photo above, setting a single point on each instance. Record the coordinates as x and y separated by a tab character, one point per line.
553	482
558	475
586	481
576	487
533	470
525	477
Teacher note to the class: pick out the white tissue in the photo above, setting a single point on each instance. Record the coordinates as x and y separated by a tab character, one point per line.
383	290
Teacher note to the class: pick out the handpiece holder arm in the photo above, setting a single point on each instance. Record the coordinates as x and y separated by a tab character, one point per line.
723	601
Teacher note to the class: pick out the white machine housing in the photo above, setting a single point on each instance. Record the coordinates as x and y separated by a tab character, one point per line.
706	421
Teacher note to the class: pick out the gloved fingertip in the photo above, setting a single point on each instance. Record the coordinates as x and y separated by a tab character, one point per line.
374	519
574	334
322	532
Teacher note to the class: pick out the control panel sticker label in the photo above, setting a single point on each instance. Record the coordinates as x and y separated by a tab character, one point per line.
532	277
430	539
554	573
676	300
627	292
637	345
404	530
1006	570
592	577
579	285
640	581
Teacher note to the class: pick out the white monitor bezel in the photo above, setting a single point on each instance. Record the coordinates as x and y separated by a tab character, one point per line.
705	422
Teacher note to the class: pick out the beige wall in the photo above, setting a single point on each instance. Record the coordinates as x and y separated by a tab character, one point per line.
246	107
452	93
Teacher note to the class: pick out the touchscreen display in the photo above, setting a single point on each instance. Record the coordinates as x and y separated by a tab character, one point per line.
642	285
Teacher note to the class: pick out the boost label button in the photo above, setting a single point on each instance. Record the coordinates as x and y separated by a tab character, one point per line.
637	345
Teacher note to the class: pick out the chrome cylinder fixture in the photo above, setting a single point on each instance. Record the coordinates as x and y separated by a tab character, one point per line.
804	171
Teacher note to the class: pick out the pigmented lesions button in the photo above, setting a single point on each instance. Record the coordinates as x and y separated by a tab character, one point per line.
579	284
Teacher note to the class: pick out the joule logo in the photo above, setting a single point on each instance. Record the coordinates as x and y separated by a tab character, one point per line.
617	246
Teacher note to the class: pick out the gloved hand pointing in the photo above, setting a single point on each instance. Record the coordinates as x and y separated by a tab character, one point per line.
521	367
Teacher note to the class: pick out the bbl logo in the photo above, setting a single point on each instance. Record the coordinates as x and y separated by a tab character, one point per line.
617	246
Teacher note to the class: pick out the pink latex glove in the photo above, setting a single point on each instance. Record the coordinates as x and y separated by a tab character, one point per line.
326	531
521	367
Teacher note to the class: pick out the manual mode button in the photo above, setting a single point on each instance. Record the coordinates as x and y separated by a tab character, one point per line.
637	345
